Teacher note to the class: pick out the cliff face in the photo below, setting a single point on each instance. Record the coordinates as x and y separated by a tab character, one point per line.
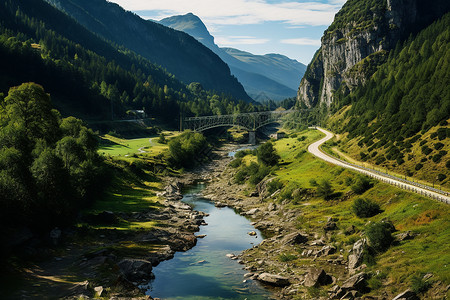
358	40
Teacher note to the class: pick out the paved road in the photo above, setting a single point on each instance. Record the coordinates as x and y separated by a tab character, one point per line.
314	148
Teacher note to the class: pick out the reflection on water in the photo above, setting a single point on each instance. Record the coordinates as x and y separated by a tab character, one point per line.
204	272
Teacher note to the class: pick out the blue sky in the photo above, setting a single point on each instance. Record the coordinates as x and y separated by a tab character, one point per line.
288	27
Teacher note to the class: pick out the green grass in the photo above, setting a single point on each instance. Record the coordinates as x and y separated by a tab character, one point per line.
116	146
149	146
429	251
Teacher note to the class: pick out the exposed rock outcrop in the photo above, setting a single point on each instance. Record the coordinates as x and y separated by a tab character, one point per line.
353	46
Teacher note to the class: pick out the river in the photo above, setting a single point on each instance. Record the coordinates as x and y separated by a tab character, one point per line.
204	272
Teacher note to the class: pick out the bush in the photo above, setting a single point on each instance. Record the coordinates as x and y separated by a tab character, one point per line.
426	150
236	162
262	172
274	185
362	184
380	236
267	155
324	189
447	164
283	257
441	177
418	285
438	146
365	208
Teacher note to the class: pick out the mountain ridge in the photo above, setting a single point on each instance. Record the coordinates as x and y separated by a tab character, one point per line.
281	75
179	53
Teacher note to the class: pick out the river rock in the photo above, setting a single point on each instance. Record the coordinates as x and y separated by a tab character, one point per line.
252	211
252	233
317	277
273	279
136	269
294	239
406	295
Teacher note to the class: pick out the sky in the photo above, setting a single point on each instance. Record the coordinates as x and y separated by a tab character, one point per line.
288	27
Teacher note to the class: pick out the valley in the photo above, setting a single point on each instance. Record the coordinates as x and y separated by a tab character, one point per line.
180	159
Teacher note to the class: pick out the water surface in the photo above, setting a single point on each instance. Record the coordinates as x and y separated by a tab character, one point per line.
204	272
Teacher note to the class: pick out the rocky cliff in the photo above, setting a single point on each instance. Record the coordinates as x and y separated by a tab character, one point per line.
359	39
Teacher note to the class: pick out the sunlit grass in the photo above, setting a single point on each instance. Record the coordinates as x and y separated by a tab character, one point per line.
428	252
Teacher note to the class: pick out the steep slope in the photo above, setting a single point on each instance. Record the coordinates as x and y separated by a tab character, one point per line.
176	51
274	75
358	41
88	77
399	118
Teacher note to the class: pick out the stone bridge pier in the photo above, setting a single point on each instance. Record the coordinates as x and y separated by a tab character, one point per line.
252	137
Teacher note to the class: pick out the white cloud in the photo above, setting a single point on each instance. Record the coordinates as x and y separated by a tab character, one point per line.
302	42
228	41
240	12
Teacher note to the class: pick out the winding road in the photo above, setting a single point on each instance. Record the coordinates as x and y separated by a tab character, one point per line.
436	194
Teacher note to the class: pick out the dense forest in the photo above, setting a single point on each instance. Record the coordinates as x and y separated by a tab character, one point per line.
89	77
177	51
49	167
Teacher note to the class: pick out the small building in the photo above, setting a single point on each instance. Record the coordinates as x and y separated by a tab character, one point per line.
279	135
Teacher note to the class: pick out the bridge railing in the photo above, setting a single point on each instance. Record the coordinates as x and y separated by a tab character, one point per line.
249	121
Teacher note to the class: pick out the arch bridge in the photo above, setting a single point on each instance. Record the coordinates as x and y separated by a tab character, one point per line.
248	121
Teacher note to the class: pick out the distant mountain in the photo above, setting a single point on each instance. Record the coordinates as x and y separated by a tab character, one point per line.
273	75
179	53
89	77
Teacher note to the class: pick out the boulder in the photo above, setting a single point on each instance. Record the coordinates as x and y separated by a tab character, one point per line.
136	269
294	239
356	257
273	279
357	282
252	211
317	277
330	225
408	235
406	295
327	250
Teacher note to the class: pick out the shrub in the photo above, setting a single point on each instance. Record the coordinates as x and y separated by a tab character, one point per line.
274	185
162	139
262	172
267	155
283	257
324	189
447	164
438	146
365	208
442	133
362	184
380	236
441	177
236	162
313	182
242	153
426	150
418	285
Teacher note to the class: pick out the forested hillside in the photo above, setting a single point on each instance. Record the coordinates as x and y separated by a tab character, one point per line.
175	51
400	116
87	76
383	84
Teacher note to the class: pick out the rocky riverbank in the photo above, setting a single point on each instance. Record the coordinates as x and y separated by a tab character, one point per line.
321	263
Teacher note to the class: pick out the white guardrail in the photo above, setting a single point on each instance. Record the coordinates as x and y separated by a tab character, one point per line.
393	180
